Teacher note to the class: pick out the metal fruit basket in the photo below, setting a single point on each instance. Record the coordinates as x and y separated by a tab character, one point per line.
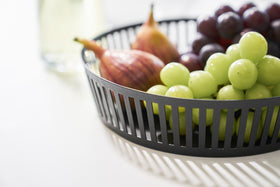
122	110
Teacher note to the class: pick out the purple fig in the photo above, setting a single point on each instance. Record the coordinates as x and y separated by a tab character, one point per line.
131	68
151	39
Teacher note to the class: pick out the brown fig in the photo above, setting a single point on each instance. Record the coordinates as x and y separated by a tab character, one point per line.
131	68
151	39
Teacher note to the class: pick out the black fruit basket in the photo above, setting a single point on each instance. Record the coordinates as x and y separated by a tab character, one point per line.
121	109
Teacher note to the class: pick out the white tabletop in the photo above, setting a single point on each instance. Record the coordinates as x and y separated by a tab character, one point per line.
50	133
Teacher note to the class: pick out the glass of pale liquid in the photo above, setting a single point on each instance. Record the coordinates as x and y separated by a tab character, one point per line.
60	22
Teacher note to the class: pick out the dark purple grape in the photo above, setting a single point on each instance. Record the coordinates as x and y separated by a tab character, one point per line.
207	25
209	49
238	36
273	48
229	24
199	42
273	11
275	30
256	19
225	42
223	9
245	7
191	61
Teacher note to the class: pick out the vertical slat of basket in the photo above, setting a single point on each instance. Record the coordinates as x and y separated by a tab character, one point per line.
125	39
140	119
111	44
94	96
120	111
202	127
189	130
162	122
189	29
216	127
115	121
167	27
242	127
229	128
130	35
175	125
255	126
105	104
177	34
117	40
276	128
135	30
98	98
151	120
129	115
266	124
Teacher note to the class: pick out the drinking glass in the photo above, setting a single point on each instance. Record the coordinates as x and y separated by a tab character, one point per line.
60	22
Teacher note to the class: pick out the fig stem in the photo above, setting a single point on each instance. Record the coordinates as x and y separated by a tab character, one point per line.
151	20
91	45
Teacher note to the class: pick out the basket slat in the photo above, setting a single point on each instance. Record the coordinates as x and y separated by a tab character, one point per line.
202	127
229	127
151	121
162	122
242	126
175	122
255	126
189	129
140	118
266	125
276	129
215	128
129	116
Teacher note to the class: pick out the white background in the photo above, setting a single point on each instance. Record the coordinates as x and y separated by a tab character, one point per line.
50	134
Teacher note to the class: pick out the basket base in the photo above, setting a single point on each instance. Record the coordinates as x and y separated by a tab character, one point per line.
195	151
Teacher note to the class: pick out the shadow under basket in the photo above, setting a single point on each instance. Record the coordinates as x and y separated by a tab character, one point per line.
248	127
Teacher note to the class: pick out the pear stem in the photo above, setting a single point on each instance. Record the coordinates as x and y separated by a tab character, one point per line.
91	45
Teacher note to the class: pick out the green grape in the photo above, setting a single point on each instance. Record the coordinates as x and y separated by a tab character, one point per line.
269	70
243	74
174	73
248	127
258	91
228	92
276	90
253	46
180	91
233	52
158	90
218	64
182	123
202	84
209	116
273	120
222	126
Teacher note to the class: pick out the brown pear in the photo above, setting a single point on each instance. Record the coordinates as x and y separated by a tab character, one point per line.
131	68
151	39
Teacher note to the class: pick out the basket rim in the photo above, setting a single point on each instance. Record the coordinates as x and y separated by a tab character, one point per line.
160	97
126	26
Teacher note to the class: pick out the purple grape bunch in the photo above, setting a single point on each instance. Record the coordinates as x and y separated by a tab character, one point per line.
227	25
